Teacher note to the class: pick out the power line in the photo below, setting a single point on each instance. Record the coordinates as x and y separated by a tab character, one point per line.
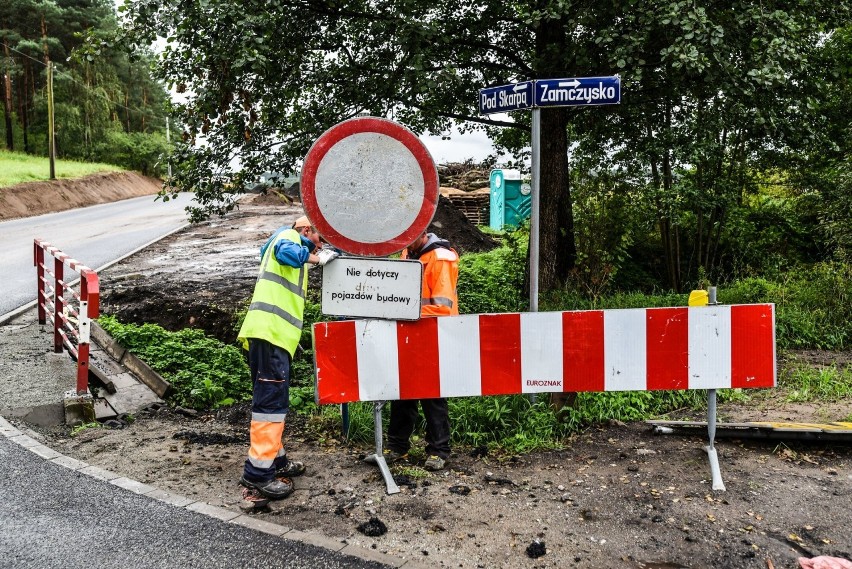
84	86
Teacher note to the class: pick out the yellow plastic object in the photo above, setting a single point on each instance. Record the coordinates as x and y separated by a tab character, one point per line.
698	298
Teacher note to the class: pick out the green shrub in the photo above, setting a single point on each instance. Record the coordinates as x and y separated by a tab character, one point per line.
812	304
494	281
204	372
831	383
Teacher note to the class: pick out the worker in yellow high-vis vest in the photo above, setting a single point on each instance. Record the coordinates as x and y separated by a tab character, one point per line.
271	331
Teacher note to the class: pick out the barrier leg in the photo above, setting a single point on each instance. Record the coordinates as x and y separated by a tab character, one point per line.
380	456
344	413
715	472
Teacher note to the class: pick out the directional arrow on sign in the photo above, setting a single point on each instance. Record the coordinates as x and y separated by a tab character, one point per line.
506	98
577	91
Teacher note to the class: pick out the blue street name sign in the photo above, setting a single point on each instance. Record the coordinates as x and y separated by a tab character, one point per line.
506	98
577	91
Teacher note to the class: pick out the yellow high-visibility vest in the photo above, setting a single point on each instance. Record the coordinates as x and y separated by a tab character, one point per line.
278	304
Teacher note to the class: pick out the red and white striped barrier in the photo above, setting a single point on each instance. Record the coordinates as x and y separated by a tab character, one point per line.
710	347
53	304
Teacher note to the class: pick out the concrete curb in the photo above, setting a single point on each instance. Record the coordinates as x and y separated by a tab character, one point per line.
337	545
134	365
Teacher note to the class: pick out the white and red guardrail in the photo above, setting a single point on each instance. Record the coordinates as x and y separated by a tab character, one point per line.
53	304
709	347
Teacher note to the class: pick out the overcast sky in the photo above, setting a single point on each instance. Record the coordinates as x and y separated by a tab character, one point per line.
474	145
461	147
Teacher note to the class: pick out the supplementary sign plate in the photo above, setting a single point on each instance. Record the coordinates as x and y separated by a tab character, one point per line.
359	287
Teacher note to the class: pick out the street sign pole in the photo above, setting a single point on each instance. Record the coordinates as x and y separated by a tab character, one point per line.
534	213
534	94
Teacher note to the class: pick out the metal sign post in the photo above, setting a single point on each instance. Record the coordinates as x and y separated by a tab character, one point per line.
390	483
370	187
712	455
534	213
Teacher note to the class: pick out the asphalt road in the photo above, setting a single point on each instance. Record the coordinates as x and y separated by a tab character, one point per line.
52	516
96	236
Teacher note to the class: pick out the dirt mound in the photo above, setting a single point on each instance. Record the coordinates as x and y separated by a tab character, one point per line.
452	225
37	198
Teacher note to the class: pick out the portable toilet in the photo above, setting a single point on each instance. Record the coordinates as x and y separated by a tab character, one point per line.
510	202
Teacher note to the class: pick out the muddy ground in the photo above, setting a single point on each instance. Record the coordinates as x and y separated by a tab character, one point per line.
615	496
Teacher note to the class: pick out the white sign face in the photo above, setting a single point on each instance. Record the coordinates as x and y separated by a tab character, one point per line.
359	287
372	187
369	186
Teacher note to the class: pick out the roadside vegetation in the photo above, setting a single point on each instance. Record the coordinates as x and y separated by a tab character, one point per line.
813	311
17	167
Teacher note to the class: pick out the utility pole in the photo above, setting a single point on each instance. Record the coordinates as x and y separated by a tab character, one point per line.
169	145
7	97
51	134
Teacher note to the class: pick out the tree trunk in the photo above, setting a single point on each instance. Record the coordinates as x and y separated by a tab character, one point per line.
558	253
23	107
558	250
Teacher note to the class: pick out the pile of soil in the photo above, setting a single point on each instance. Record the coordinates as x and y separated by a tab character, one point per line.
37	198
452	225
202	276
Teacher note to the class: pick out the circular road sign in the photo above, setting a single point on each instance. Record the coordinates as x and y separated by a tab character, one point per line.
369	186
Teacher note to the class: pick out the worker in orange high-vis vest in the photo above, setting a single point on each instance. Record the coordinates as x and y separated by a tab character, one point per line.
271	331
438	298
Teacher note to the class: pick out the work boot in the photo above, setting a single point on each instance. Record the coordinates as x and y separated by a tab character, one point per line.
253	500
391	457
291	468
274	489
434	463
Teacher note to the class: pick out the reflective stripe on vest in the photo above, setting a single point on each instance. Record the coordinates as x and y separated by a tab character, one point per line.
437	301
280	313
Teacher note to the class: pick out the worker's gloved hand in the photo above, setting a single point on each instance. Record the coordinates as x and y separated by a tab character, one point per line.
327	255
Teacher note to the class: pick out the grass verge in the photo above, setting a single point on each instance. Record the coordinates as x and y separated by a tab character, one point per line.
17	167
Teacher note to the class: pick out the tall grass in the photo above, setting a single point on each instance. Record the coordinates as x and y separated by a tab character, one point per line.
830	383
17	167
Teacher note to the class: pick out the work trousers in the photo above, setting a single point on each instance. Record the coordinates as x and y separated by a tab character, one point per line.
270	376
403	418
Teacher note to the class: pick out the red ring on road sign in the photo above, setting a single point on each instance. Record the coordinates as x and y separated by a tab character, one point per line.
372	125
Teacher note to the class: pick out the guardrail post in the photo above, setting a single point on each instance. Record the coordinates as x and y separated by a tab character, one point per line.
42	296
58	303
